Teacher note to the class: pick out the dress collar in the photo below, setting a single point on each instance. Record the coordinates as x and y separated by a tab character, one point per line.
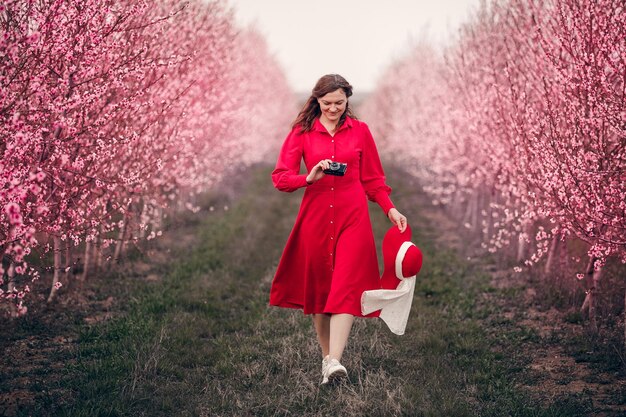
319	127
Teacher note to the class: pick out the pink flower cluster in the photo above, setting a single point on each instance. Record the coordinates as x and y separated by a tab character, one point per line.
111	111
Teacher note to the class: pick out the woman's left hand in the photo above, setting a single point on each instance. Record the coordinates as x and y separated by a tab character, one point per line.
398	219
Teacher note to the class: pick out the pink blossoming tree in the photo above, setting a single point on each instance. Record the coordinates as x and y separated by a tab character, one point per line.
109	113
529	143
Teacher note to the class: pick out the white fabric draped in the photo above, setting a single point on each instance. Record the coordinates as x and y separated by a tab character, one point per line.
394	305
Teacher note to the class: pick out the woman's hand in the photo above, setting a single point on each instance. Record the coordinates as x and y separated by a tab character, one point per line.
398	219
317	172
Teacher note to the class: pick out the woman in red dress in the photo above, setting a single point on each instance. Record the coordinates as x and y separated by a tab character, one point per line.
330	256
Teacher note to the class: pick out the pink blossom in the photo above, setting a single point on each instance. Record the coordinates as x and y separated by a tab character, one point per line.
12	209
21	309
34	188
33	38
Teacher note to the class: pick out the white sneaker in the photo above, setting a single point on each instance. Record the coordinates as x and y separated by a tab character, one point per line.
325	362
335	372
324	366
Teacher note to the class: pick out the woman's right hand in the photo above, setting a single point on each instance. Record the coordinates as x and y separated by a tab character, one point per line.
317	172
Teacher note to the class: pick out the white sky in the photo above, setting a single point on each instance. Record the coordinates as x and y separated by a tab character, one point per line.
357	39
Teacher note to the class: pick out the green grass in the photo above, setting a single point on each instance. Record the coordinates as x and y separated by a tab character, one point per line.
202	341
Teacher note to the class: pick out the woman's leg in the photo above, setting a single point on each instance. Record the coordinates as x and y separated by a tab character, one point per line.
322	328
340	325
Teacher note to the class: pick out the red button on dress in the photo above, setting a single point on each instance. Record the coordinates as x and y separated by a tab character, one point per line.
330	255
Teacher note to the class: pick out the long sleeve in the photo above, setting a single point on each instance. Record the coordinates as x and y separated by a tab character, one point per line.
286	176
372	174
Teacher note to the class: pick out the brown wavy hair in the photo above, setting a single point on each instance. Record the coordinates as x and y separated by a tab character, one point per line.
311	109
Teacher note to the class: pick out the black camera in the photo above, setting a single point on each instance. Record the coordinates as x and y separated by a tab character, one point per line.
336	168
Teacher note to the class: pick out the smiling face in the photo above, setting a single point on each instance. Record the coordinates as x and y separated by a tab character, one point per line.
333	105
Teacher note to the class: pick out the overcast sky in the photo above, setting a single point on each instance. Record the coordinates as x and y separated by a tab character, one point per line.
355	38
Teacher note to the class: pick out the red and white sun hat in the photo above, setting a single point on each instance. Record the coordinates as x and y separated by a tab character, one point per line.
403	261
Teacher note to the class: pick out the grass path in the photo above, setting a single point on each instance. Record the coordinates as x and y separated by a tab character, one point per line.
200	340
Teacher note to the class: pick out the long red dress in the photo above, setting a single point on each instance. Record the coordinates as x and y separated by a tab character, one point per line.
330	256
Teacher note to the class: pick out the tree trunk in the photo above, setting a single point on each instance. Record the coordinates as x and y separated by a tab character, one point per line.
551	251
68	260
183	198
86	261
477	215
57	267
99	249
593	301
11	287
564	262
474	211
158	219
143	219
467	217
487	230
588	274
590	302
98	254
457	206
120	241
521	246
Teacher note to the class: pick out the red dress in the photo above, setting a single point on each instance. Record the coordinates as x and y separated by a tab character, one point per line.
330	256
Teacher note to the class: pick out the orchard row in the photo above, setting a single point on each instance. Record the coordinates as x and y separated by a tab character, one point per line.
112	111
520	129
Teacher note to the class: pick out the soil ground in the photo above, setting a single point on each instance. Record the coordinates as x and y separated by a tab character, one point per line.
182	327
